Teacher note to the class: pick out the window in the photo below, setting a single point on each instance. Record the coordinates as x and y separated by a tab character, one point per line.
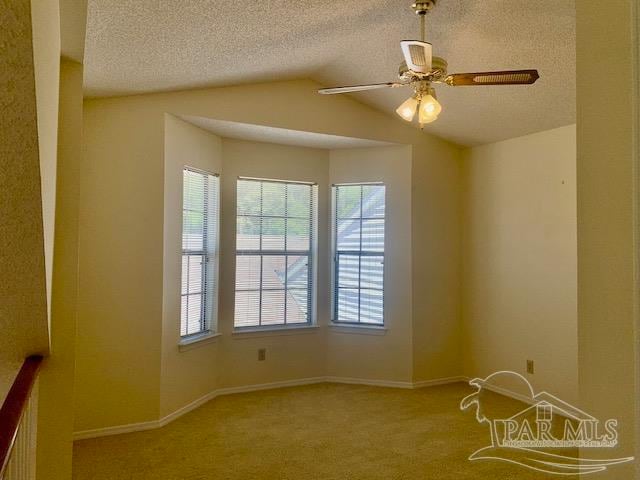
358	236
544	412
274	253
200	215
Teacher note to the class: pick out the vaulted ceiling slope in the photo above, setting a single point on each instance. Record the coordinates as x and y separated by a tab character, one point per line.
136	46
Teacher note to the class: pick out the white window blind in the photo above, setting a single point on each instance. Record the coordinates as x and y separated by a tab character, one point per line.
274	252
200	227
358	234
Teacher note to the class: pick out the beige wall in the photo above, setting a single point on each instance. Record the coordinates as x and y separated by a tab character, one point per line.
120	300
436	222
37	279
520	260
120	269
73	25
288	356
121	297
188	375
119	347
23	302
231	359
45	16
380	355
55	407
606	172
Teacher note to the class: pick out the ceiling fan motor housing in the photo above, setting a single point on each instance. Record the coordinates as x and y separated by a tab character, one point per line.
438	71
421	8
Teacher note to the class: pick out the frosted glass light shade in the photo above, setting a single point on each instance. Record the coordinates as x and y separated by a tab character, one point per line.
430	108
408	108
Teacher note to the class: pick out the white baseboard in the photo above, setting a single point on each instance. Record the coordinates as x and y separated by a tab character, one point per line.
187	408
153	424
372	383
270	386
504	392
439	381
509	393
117	430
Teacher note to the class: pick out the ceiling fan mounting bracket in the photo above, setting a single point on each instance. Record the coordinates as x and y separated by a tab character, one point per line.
423	7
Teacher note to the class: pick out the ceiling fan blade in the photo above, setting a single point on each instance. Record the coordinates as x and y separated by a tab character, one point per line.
418	55
359	88
509	77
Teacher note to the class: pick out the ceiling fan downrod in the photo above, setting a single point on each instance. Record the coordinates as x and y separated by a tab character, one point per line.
422	8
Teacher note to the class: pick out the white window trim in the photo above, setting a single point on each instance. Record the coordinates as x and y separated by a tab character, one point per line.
273	330
359	329
198	340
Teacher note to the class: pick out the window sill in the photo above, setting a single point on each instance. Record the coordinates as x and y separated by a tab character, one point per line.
358	329
252	332
197	341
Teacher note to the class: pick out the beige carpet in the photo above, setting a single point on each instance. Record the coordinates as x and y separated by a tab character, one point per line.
324	431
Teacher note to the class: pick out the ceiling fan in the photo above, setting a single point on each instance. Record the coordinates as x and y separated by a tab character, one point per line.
421	70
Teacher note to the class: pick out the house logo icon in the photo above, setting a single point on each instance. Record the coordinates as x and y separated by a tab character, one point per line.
546	435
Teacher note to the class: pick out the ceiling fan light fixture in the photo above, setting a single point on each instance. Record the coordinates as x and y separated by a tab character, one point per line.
407	110
420	70
430	108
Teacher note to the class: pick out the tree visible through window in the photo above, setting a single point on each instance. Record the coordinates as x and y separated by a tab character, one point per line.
200	214
274	247
358	277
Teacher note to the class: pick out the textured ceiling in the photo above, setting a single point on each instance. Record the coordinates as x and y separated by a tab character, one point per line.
136	46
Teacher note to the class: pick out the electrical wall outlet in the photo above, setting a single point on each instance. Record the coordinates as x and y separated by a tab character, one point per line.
530	366
262	354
